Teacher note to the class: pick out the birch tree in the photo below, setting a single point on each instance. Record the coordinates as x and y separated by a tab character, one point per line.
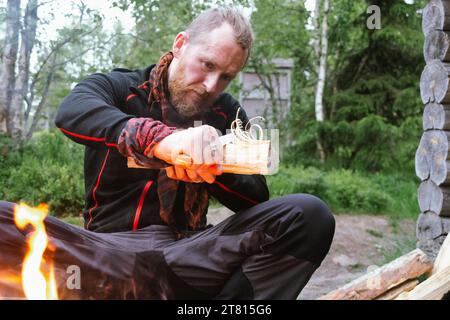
320	24
7	73
25	88
28	38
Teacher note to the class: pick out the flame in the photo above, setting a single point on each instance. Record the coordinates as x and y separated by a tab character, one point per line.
36	285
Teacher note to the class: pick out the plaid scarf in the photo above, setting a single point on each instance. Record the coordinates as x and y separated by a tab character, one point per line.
139	138
196	194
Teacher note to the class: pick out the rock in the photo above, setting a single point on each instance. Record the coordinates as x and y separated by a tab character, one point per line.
345	261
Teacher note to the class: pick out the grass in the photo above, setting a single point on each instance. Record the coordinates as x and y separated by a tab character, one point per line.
374	233
352	192
401	246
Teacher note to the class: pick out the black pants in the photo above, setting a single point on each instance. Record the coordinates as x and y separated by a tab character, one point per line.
268	251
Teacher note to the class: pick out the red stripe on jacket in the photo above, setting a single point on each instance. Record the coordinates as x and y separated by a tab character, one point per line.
236	193
141	204
95	190
83	137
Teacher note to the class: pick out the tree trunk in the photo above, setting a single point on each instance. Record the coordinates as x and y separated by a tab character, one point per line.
316	38
37	114
321	69
322	63
22	83
7	74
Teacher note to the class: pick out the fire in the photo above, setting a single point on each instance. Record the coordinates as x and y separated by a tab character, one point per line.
36	285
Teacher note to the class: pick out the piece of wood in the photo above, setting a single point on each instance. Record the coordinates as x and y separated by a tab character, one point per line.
185	162
445	225
396	291
436	46
432	159
256	157
436	116
382	279
434	82
429	226
443	258
434	198
433	288
436	16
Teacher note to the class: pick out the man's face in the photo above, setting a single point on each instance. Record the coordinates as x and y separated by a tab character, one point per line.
203	71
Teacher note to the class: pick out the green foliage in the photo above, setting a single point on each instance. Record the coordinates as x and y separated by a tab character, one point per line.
48	169
372	102
347	191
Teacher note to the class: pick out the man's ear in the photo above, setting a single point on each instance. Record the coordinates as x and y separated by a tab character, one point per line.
179	44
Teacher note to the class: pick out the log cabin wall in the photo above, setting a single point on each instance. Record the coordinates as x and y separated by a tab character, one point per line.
432	156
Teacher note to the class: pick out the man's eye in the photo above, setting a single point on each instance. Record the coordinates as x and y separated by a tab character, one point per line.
208	65
226	78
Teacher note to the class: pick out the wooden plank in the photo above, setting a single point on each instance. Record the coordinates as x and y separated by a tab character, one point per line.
443	258
434	288
379	281
256	157
395	292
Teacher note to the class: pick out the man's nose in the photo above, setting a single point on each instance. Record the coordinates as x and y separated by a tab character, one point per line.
211	82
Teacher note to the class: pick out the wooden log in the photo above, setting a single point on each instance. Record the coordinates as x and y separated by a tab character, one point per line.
436	46
436	116
431	246
379	281
429	226
434	82
186	162
434	198
395	292
443	258
445	225
241	157
436	16
432	160
433	288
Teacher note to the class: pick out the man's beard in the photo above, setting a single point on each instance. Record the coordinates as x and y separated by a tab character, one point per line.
189	101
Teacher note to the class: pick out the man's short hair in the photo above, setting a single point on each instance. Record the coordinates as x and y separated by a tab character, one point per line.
215	17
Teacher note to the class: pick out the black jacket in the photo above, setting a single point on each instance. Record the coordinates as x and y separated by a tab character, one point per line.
122	199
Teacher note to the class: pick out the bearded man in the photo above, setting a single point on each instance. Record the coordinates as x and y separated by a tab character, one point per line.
148	226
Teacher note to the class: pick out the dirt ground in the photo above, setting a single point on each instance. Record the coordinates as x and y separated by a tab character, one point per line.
360	242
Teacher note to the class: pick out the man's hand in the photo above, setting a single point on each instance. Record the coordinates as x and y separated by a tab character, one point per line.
201	145
197	176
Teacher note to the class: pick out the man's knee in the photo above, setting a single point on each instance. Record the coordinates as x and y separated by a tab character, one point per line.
6	208
318	214
316	225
